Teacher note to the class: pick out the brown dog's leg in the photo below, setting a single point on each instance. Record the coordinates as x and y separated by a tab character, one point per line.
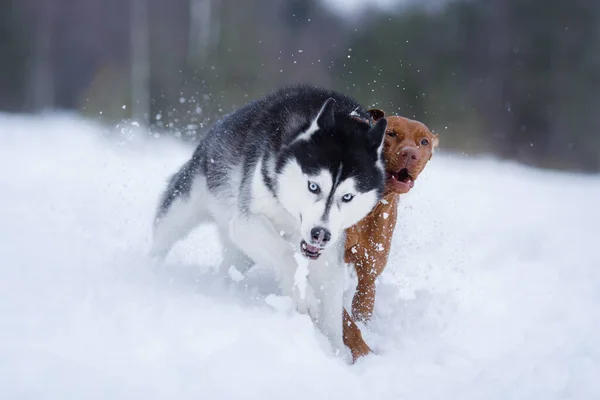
353	338
364	298
370	255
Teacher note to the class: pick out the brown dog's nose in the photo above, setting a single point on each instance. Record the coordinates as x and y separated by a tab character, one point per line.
409	154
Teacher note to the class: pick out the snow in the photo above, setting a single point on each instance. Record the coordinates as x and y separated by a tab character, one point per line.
492	290
235	274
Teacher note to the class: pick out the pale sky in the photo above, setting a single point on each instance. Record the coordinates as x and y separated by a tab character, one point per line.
350	7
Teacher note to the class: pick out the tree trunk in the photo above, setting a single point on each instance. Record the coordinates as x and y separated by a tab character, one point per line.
42	79
140	62
201	16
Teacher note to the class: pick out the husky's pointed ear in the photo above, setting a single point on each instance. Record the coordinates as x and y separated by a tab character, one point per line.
376	134
325	117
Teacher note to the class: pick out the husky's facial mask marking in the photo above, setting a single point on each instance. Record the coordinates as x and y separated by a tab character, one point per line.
327	188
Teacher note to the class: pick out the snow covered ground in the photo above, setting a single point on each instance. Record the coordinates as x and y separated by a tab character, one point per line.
493	290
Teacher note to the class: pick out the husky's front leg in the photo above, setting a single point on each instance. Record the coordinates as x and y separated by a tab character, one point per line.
256	236
326	277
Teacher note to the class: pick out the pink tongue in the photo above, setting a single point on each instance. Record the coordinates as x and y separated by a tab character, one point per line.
312	249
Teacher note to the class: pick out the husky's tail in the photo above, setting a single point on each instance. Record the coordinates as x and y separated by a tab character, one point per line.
180	185
175	215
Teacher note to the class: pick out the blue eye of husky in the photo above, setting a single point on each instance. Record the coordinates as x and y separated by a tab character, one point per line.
347	197
313	187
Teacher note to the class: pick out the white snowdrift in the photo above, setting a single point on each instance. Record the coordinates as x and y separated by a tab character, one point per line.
493	290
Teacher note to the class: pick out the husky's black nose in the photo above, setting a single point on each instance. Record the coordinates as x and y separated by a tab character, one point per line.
320	236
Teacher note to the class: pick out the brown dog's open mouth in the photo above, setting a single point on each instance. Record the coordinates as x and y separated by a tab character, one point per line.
310	251
400	181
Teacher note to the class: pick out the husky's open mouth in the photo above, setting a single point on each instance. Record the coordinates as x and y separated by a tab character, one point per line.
400	181
310	251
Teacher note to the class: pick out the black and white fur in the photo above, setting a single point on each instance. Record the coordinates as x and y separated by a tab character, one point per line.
282	176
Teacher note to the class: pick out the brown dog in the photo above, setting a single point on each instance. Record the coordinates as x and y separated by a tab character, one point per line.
408	147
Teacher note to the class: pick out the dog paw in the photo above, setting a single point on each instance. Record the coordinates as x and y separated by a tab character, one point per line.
361	352
300	303
312	303
300	300
306	302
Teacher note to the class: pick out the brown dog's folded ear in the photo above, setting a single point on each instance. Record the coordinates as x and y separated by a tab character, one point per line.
436	140
435	143
376	114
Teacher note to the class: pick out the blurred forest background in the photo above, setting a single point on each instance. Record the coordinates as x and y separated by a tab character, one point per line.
519	79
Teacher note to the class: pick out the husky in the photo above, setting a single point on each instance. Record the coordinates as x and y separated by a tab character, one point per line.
282	178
